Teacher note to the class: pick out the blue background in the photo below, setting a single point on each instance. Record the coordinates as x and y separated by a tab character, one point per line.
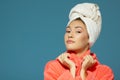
31	34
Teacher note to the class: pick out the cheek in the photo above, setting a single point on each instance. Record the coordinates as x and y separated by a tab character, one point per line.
82	39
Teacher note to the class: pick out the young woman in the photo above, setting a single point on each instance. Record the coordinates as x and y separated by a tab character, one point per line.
78	62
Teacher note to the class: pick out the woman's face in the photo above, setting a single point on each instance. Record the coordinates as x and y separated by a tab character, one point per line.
76	36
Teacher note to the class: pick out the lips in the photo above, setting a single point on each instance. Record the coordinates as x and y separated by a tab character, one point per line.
70	41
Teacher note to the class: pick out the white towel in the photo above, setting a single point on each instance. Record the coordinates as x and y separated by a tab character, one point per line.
91	16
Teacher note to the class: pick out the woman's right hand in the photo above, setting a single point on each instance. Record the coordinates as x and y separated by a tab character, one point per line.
64	59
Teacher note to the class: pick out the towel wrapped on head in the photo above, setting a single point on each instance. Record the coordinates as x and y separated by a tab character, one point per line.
89	13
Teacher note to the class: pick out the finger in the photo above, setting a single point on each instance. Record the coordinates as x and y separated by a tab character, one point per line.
91	59
67	54
95	61
60	57
63	56
87	58
84	58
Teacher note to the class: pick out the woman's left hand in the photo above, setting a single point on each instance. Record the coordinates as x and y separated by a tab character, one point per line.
88	62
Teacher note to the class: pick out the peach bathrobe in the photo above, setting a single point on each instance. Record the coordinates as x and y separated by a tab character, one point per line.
54	70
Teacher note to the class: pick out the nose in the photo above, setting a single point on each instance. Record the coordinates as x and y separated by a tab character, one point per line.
70	35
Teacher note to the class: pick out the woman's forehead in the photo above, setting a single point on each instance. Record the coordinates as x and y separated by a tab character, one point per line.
76	24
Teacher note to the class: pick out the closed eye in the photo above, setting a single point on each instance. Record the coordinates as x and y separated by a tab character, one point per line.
68	31
78	31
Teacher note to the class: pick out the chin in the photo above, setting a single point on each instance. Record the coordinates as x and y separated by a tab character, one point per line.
70	49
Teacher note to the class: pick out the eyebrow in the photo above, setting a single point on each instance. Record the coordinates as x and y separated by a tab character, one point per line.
78	27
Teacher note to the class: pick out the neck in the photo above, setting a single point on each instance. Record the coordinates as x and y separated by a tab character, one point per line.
78	52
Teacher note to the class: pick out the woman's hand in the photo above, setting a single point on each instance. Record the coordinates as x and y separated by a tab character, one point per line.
88	62
64	59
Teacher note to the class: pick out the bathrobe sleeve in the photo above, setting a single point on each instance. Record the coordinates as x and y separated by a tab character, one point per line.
54	71
102	72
